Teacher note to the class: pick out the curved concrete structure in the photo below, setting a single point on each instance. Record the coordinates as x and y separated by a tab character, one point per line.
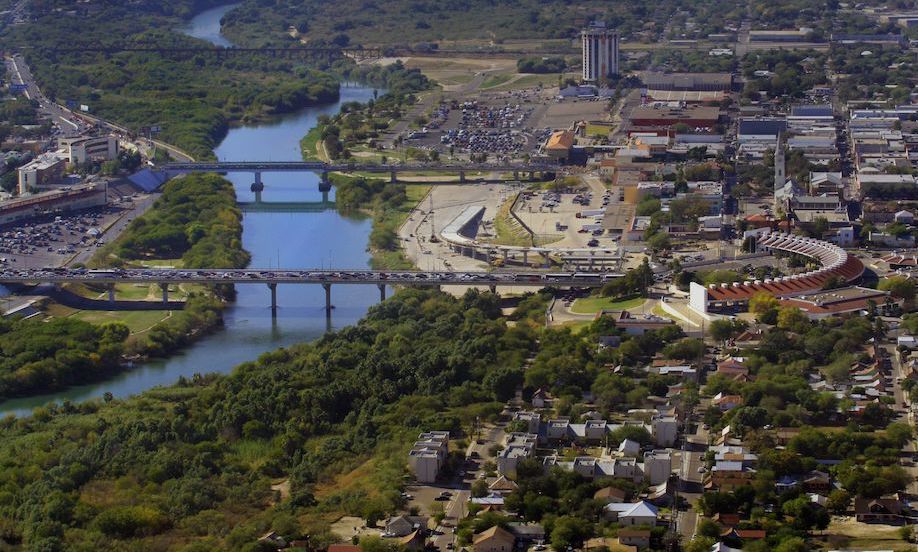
834	262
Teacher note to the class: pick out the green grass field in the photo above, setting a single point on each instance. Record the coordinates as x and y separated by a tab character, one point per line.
136	321
591	305
598	130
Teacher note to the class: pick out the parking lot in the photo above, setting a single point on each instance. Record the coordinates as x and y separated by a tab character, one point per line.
494	127
52	240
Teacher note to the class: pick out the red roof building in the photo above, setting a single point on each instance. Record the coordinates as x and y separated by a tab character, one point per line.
835	264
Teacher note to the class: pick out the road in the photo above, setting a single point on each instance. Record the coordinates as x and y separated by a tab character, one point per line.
70	123
66	122
456	509
305	276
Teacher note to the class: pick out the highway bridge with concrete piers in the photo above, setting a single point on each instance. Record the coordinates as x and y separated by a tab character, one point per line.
308	52
543	170
272	277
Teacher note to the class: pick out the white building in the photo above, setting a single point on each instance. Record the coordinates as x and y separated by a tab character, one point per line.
43	171
658	465
91	148
428	455
600	52
664	430
518	447
629	515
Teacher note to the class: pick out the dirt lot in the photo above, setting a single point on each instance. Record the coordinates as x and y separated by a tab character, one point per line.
846	532
560	114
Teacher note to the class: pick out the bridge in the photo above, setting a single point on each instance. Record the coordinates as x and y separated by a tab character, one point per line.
546	170
273	277
285	206
327	52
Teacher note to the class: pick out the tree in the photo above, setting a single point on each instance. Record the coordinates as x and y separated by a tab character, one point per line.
723	329
707	528
792	318
762	302
659	242
479	488
838	501
570	532
899	286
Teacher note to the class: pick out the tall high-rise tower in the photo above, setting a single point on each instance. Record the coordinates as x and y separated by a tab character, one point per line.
600	52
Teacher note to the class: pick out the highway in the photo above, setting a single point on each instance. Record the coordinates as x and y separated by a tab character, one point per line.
69	125
317	166
310	276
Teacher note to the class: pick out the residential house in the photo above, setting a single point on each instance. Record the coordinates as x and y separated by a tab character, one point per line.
743	534
883	510
401	526
428	455
532	419
610	494
518	447
727	402
415	541
817	482
494	501
502	486
632	514
495	539
343	548
658	465
727	476
634	537
541	399
664	430
629	448
527	533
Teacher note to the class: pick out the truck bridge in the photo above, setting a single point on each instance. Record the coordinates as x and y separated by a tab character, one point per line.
534	170
272	277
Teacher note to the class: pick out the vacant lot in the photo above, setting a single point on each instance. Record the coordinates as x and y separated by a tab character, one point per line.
846	532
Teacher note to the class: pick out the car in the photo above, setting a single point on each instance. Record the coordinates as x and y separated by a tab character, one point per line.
702	469
450	546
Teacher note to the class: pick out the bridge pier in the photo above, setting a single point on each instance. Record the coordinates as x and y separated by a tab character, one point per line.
273	287
382	291
525	257
493	288
547	259
393	177
516	175
328	305
324	182
165	288
462	177
258	186
111	293
505	255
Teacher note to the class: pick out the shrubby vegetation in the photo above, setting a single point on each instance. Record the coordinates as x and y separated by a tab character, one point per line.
193	99
195	219
194	463
38	356
541	65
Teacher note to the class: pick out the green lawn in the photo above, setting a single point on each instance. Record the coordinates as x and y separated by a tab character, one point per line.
136	321
591	305
598	130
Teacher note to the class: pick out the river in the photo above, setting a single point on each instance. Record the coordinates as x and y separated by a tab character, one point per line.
284	240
